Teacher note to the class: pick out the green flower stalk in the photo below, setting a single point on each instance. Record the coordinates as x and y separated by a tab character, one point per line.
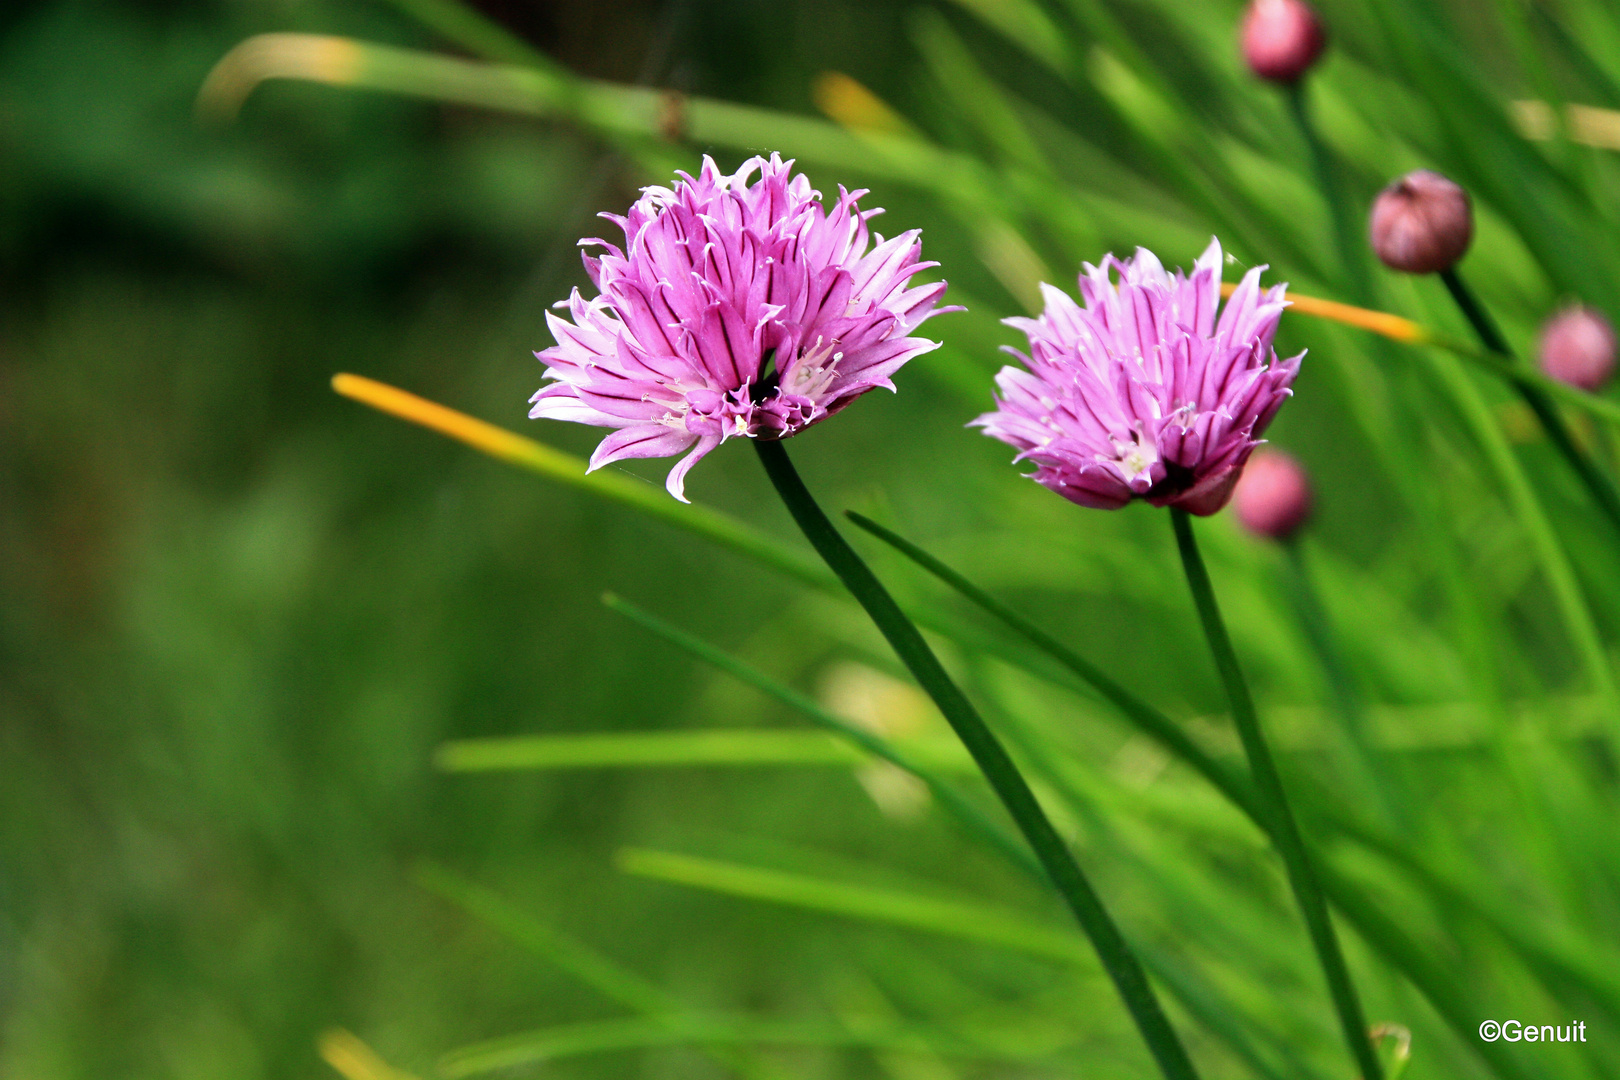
740	308
1153	391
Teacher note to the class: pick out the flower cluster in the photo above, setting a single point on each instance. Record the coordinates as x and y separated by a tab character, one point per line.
738	307
1142	393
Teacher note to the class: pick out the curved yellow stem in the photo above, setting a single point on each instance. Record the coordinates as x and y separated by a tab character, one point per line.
574	471
1379	322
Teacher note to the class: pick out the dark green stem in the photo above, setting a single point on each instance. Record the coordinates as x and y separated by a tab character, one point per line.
1148	719
991	757
1285	830
1597	482
1391	940
1200	1000
1490	335
1405	954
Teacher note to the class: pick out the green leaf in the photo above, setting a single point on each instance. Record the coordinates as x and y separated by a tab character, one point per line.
950	918
610	979
1379	931
643	749
551	1044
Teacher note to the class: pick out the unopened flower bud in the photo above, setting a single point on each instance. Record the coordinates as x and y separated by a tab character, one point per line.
1273	496
1281	39
1422	223
1577	347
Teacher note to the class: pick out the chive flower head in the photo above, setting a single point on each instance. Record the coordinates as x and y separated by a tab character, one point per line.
739	307
1151	390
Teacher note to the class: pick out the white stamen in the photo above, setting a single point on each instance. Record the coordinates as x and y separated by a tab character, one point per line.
809	377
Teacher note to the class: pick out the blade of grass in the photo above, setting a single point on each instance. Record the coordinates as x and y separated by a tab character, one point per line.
1342	683
1285	830
634	113
979	98
951	918
1576	616
607	977
968	815
1025	24
1384	935
645	749
1597	484
1200	1001
994	762
574	1040
1346	230
476	32
567	469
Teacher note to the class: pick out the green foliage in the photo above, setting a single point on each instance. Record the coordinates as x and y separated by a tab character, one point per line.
242	619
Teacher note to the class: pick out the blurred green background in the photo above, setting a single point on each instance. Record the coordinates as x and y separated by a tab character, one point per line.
239	613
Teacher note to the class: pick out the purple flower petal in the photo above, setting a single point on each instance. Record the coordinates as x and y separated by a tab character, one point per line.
641	441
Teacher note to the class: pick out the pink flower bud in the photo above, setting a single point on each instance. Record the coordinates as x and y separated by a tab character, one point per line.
1577	347
1281	39
1273	496
1422	223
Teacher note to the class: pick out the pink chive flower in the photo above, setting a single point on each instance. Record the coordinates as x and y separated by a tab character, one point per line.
1142	393
1273	498
1577	347
739	307
1281	39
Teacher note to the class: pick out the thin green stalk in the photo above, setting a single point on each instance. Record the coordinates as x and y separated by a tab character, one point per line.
992	758
1597	482
954	801
665	1012
1200	1000
474	31
1387	937
1285	832
1521	495
1150	720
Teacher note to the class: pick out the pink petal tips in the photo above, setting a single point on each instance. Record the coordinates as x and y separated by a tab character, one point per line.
1144	392
739	307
